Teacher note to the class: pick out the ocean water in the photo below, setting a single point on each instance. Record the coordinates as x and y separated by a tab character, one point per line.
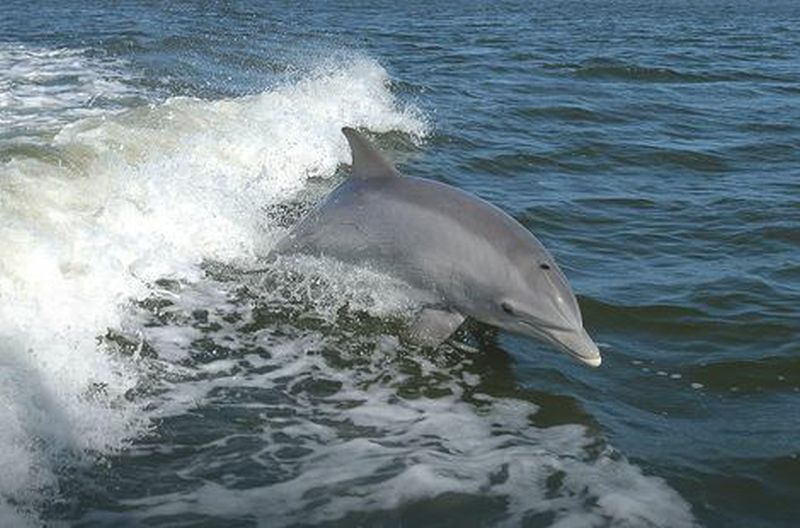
151	153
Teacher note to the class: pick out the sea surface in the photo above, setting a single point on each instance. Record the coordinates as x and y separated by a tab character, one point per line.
151	153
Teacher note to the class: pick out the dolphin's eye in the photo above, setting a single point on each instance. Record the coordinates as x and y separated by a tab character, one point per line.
507	308
544	266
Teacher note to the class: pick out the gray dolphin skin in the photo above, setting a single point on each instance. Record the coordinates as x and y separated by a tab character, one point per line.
469	258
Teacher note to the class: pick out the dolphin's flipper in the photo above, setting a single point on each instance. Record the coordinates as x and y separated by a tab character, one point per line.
367	161
433	326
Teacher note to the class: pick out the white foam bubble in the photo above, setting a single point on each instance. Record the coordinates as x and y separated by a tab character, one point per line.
369	446
116	202
41	88
424	448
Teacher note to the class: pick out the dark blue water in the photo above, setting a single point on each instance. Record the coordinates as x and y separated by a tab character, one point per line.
148	149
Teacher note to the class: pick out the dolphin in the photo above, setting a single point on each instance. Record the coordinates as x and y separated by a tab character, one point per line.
470	258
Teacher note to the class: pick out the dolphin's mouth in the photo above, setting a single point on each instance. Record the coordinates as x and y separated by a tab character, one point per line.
574	342
577	344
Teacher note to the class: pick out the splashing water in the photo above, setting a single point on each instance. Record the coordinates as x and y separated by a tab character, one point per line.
118	201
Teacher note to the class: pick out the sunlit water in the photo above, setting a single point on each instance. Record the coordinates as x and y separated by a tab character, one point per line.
150	155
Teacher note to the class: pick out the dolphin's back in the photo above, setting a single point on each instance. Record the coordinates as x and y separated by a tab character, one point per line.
429	234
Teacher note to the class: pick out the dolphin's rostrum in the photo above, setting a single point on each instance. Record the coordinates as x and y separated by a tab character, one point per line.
468	256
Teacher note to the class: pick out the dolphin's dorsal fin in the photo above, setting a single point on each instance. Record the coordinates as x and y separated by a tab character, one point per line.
367	161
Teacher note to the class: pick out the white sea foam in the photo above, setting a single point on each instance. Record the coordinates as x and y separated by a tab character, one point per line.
410	447
117	201
44	88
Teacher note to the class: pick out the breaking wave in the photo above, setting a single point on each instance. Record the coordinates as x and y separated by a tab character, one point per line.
118	200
